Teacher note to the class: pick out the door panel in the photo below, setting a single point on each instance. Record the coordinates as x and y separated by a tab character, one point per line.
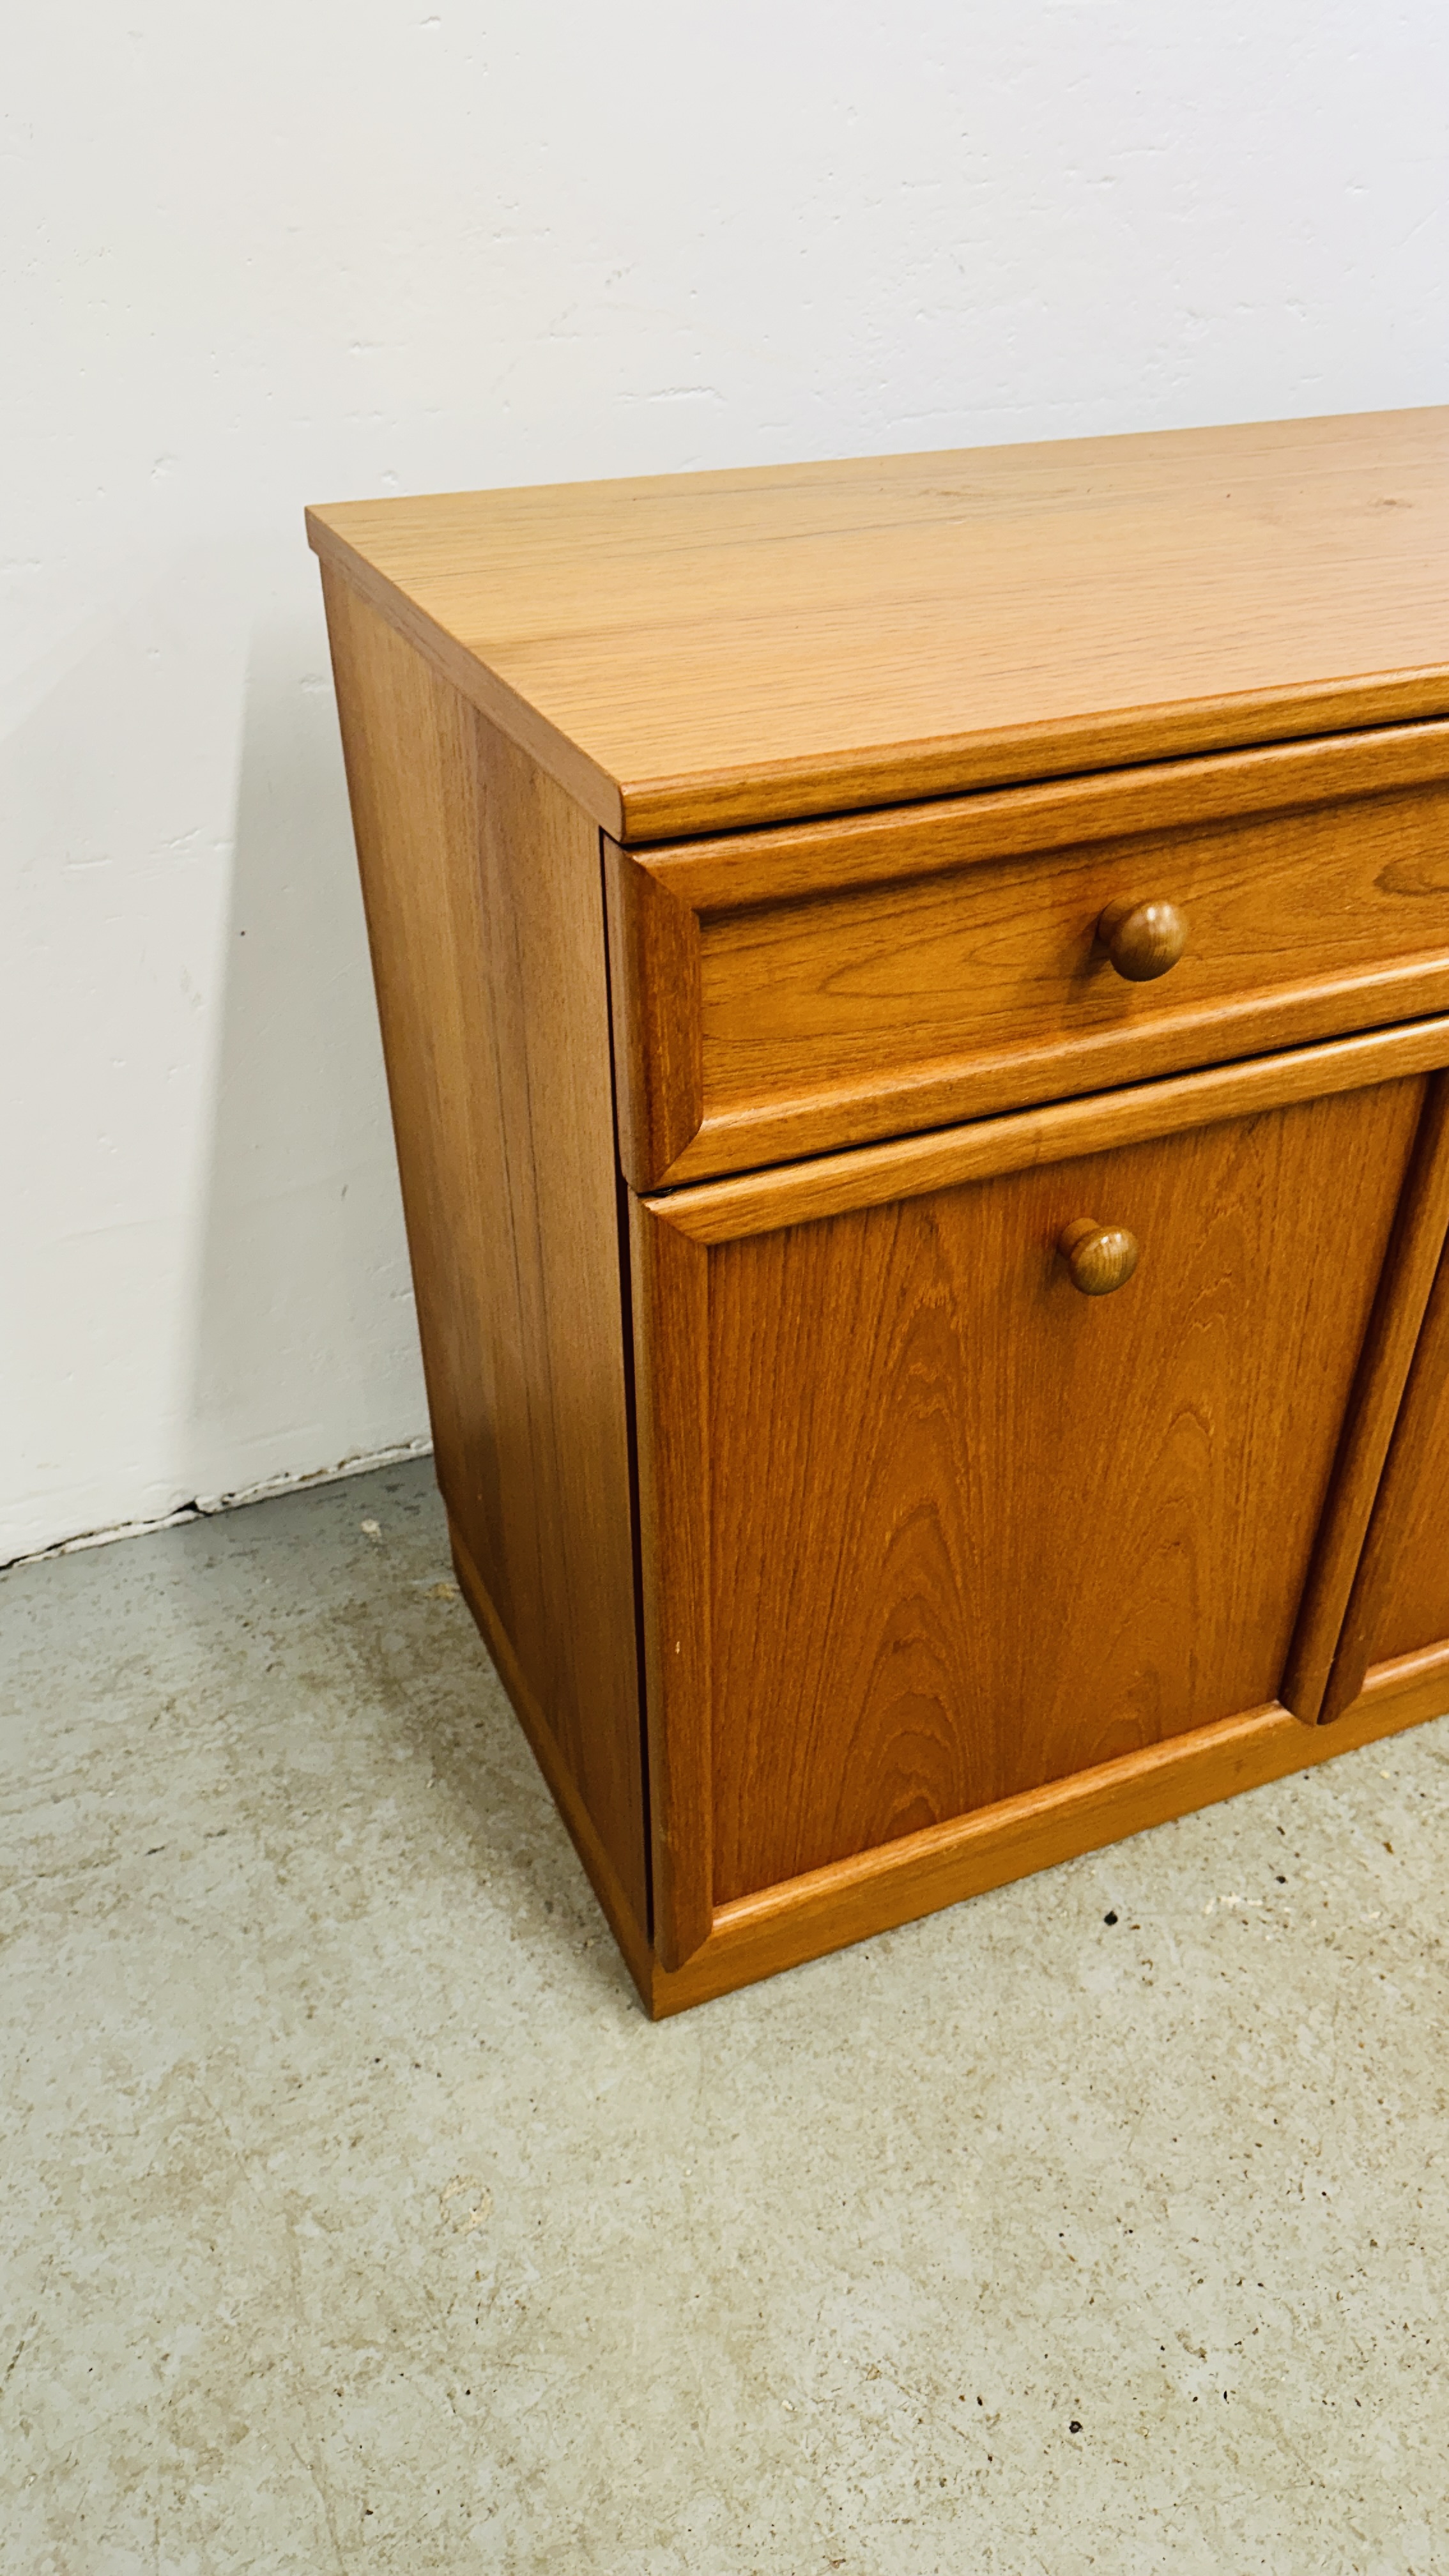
971	1530
1400	1601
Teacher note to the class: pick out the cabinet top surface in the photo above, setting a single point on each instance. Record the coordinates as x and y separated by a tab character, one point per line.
698	652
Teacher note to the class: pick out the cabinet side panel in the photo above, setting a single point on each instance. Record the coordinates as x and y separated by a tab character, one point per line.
484	905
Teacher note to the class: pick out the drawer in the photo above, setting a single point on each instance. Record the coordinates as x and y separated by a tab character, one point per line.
785	993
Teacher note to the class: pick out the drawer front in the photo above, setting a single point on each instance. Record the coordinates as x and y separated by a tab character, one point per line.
761	1030
929	1522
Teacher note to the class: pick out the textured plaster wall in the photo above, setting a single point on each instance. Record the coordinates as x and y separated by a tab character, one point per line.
261	256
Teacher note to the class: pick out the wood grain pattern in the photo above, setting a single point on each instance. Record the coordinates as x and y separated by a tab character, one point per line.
1399	1605
935	837
825	1021
969	1531
899	1882
484	910
697	652
761	1202
1403	1293
789	1128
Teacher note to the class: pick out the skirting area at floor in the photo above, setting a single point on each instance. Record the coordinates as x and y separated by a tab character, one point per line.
356	2218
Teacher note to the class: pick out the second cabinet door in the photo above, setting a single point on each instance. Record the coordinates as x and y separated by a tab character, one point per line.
926	1526
1396	1634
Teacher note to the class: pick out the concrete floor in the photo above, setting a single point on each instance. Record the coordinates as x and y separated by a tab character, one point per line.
355	2218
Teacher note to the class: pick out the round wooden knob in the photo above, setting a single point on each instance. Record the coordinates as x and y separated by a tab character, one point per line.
1143	939
1099	1257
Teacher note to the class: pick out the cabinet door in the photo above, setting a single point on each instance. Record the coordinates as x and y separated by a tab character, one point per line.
925	1526
1396	1634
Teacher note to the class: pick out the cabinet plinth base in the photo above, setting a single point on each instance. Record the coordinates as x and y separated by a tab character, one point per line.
922	1874
830	1909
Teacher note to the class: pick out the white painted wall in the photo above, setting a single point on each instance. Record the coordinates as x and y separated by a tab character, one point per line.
273	254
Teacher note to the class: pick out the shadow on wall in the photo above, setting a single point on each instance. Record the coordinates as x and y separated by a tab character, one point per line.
306	1343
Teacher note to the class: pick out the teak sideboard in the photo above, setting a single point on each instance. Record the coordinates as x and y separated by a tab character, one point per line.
916	1004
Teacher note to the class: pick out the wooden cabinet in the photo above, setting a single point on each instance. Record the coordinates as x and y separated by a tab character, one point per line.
925	1157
